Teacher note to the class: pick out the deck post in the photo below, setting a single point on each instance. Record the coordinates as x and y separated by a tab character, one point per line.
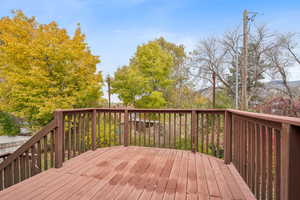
58	145
228	138
94	119
194	130
290	162
126	127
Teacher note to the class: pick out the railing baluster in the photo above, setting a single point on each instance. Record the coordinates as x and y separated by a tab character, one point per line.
228	137
174	130
213	134
145	128
180	127
39	155
269	163
207	133
22	165
193	130
218	134
104	128
263	164
16	171
98	129
165	135
94	113
59	153
52	147
33	160
7	177
74	133
80	127
27	164
45	153
119	126
126	128
258	173
115	128
69	140
109	128
1	180
202	133
134	126
278	164
185	131
159	129
130	128
149	128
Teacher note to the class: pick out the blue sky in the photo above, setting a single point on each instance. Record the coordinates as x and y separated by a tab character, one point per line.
115	27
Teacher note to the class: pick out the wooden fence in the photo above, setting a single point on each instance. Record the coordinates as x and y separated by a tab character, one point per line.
263	148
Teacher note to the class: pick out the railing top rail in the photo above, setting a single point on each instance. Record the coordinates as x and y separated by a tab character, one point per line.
268	117
265	117
141	110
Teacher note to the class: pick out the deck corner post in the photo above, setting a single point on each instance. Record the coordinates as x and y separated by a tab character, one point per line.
126	127
228	138
194	130
290	162
58	145
94	119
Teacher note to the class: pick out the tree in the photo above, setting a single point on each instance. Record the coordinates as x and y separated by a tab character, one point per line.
42	69
9	125
143	82
281	57
129	84
208	58
179	74
221	55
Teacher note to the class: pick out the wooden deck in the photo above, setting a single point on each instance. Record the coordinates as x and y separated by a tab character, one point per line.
134	173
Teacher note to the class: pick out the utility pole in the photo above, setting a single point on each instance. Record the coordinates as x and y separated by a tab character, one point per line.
244	70
237	80
214	89
108	89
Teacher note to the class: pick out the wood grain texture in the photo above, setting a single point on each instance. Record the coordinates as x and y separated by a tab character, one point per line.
135	173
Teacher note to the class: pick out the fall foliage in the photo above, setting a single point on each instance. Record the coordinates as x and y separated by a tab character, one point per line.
42	68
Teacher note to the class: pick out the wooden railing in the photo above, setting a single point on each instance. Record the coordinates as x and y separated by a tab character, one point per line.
263	148
197	130
36	155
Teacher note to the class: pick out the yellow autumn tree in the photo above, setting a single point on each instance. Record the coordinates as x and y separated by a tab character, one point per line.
42	68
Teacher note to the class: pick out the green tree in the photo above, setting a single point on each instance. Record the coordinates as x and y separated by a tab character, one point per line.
42	69
128	83
143	82
8	124
174	94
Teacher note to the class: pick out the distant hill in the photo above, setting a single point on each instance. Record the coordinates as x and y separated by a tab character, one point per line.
279	84
275	88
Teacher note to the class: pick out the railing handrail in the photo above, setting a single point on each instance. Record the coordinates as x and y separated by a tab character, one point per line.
267	117
23	148
141	110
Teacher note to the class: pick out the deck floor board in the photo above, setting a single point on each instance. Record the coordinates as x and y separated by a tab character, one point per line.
135	173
